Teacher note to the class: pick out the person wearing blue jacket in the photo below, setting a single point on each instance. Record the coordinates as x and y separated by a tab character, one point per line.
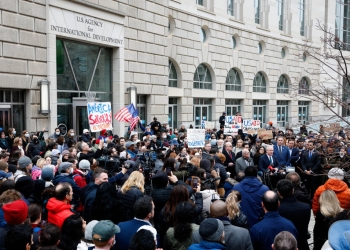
251	190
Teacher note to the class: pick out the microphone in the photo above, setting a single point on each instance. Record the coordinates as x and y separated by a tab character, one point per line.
271	169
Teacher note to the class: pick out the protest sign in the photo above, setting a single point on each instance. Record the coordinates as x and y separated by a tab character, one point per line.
264	134
251	125
100	116
209	125
196	138
232	125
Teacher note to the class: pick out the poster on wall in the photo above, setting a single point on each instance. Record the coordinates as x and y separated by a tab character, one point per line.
196	138
250	126
100	116
232	125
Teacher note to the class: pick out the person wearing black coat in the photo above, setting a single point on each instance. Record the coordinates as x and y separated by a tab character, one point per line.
295	211
222	119
230	159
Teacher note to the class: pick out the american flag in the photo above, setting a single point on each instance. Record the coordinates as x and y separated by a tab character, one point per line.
133	122
125	114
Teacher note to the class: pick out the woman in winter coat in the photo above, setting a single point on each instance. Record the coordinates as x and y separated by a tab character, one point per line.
235	214
180	236
132	189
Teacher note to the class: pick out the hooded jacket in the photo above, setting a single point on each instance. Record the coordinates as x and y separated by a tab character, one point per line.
58	211
252	191
341	190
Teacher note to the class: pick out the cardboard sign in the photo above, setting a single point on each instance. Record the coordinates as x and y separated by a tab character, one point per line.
334	127
209	125
251	125
232	125
196	138
99	116
264	134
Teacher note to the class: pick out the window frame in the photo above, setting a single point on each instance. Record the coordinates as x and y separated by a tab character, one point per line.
259	88
233	85
171	64
301	8
232	104
342	18
203	84
257	11
280	6
281	88
200	2
230	11
304	89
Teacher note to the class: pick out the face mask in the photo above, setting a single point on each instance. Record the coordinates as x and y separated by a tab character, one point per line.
71	134
164	136
26	135
71	171
14	132
58	133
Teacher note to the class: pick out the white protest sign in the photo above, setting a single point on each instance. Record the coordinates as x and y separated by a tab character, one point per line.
196	138
99	115
232	125
209	125
249	125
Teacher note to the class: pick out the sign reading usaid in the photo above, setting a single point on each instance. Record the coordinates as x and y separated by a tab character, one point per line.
79	26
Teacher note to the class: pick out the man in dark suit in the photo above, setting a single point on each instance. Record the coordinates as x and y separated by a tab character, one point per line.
267	160
293	152
281	152
222	119
311	164
230	159
295	211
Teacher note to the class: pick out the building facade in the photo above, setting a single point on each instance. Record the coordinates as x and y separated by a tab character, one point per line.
190	60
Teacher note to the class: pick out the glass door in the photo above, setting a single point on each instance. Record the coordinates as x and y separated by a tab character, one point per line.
202	114
282	113
82	119
172	116
5	120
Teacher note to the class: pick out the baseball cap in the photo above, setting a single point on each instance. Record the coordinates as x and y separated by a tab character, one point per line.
129	143
339	235
88	229
85	131
104	230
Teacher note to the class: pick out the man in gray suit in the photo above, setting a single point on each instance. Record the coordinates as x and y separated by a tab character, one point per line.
244	161
236	238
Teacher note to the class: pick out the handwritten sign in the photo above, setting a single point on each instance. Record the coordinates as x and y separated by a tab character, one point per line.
265	134
100	116
232	125
251	125
209	125
196	138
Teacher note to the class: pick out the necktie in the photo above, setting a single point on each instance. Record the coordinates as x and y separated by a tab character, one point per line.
310	154
280	147
270	159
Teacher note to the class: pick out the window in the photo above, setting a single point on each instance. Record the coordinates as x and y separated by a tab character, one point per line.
172	75
12	110
282	113
259	110
302	16
280	13
232	106
233	42
142	108
202	35
346	98
304	56
202	110
304	88
233	81
342	22
202	78
260	49
303	115
172	115
257	11
230	7
259	84
283	53
282	85
199	2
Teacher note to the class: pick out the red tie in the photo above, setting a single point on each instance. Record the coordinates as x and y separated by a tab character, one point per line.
230	155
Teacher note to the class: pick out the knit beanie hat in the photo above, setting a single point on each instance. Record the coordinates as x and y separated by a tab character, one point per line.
47	174
23	162
16	212
25	185
63	166
336	173
211	229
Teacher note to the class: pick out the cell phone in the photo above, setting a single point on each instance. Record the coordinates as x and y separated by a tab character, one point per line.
168	171
182	155
195	183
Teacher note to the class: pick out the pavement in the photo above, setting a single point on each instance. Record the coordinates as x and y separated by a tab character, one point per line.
311	229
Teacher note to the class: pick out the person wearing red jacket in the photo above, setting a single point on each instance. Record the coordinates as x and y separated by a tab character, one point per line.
335	183
59	207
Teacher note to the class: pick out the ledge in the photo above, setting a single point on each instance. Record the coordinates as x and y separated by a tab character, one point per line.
206	11
176	1
261	28
96	6
237	21
283	34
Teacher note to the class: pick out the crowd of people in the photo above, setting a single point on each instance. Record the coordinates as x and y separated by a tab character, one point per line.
149	190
